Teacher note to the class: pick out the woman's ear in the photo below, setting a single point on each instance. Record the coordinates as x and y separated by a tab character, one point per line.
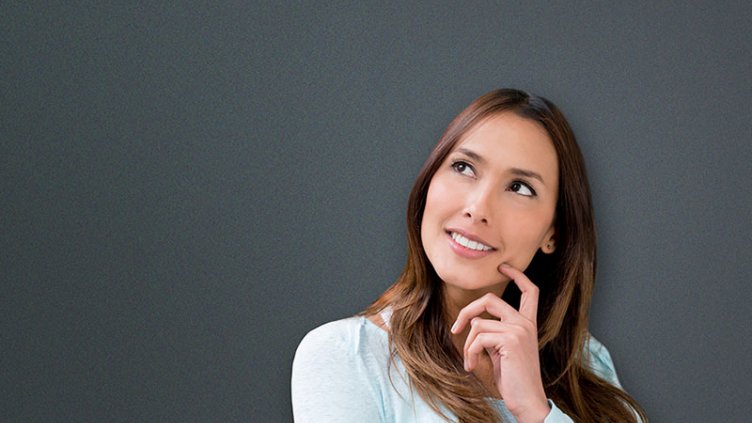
549	241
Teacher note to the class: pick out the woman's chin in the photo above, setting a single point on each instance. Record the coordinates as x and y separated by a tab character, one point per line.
479	283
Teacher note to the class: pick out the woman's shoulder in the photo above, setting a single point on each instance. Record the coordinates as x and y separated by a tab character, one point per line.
338	372
600	362
352	336
342	373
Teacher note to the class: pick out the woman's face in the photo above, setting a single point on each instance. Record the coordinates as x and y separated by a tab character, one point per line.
492	201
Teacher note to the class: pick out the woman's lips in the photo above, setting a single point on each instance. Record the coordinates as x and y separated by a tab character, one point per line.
471	253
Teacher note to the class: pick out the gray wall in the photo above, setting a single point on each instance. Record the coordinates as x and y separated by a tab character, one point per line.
187	190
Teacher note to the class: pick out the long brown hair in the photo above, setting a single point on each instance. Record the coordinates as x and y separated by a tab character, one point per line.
419	332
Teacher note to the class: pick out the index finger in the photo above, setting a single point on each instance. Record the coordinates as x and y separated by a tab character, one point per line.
529	298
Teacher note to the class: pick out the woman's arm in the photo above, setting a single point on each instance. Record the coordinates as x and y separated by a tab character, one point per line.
330	382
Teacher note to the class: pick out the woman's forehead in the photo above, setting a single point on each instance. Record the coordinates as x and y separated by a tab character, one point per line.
507	137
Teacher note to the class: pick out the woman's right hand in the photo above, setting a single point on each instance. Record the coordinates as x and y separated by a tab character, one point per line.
511	340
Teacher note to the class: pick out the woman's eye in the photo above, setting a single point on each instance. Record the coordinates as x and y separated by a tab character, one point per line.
522	189
463	168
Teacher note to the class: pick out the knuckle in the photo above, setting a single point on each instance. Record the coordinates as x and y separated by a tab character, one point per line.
515	341
517	335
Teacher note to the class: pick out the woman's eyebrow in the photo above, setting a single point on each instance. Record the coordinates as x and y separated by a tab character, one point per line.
527	173
472	154
514	171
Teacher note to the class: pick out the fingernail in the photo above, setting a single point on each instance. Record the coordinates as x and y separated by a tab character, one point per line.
506	266
454	327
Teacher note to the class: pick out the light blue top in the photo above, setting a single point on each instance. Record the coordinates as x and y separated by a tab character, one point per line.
339	374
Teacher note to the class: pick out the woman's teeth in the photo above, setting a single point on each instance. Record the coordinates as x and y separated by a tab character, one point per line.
459	239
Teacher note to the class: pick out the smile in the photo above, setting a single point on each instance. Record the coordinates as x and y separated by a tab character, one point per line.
469	244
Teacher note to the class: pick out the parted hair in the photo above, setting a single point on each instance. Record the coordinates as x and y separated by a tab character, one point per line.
419	328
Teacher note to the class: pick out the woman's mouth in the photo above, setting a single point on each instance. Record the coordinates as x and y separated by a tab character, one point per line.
466	247
468	243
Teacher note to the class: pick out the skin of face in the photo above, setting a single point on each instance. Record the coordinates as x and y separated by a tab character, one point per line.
497	187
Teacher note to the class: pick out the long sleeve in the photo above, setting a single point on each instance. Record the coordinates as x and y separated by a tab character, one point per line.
556	415
330	381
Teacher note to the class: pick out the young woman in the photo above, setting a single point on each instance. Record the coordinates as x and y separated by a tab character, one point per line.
489	320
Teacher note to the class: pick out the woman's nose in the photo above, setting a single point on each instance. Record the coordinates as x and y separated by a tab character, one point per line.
479	205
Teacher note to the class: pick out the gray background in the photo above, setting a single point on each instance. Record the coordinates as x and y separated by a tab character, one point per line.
188	189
